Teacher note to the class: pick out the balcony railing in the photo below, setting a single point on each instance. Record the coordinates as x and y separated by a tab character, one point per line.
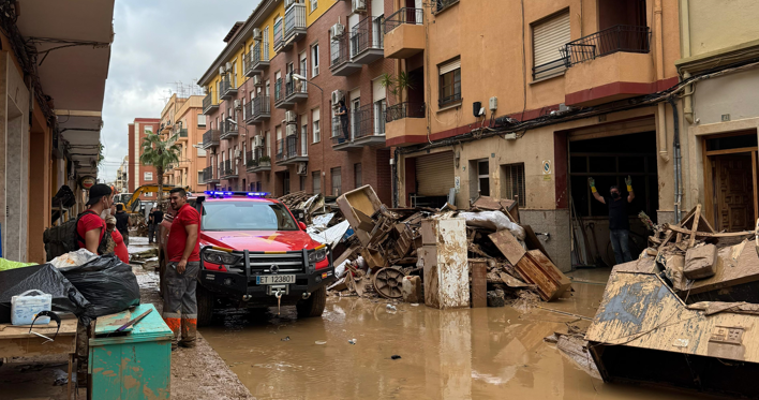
211	138
295	21
625	38
183	133
208	105
549	69
279	41
337	128
257	160
228	129
228	87
366	122
258	109
294	86
339	52
280	150
366	35
405	110
228	169
441	5
208	174
278	95
404	15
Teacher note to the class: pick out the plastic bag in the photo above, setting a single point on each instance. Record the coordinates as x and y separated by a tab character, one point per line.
45	278
108	283
73	258
494	220
8	264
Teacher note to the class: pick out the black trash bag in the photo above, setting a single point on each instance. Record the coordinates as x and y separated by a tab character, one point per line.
108	283
46	279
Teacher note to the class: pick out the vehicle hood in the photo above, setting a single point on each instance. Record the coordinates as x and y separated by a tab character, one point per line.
259	240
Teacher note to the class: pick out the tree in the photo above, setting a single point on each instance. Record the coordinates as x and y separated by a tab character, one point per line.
160	154
397	85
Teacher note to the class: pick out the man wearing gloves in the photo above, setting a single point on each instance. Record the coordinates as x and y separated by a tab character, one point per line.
619	226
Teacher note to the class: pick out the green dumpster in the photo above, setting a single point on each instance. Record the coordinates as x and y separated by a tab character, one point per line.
135	364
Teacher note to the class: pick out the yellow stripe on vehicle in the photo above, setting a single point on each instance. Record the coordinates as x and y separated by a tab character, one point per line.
222	249
323	245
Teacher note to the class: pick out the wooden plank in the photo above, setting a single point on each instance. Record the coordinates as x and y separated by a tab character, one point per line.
36	346
696	217
508	245
551	270
8	331
679	229
732	269
730	151
537	269
532	241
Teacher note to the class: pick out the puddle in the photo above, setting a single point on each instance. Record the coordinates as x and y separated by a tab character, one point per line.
455	354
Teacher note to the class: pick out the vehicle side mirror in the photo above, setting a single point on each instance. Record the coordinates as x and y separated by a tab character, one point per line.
302	225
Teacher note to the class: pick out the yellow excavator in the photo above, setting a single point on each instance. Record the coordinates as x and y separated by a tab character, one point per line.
133	203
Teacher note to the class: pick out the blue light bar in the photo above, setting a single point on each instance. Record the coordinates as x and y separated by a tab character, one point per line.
257	194
230	194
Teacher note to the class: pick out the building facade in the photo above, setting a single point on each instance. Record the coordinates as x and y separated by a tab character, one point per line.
184	118
122	176
528	102
141	174
271	96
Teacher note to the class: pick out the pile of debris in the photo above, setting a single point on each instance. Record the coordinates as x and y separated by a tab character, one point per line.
445	257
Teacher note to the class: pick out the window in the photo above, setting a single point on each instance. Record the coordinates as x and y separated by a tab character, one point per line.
316	177
200	177
148	176
314	60
201	120
148	130
450	83
201	151
337	181
547	38
357	178
303	65
483	178
314	5
513	182
148	194
316	128
244	114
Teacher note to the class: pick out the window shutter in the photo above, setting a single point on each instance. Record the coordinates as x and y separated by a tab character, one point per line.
549	37
435	174
451	66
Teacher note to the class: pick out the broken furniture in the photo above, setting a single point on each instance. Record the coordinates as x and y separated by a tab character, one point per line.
443	257
17	341
132	365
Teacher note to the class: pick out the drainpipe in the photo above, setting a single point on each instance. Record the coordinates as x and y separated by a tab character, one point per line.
661	112
685	53
678	161
394	177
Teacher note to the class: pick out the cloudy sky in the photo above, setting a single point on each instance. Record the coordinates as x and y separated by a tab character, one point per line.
157	44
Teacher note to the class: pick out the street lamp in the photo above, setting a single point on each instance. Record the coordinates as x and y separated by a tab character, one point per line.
299	77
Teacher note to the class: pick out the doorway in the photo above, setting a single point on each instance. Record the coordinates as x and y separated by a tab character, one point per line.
730	185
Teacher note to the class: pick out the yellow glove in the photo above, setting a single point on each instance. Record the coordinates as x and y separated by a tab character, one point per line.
629	183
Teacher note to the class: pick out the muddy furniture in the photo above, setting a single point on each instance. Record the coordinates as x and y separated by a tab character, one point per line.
132	365
643	332
16	341
443	256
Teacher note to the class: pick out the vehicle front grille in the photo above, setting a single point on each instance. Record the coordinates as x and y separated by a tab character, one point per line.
288	263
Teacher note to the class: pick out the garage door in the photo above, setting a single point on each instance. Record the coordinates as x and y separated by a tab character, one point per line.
434	174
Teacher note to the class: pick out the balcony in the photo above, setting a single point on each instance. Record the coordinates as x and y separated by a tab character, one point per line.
228	169
295	92
258	161
228	88
404	33
406	124
208	105
257	60
208	176
279	94
295	151
367	41
210	139
295	23
367	128
279	38
280	155
609	65
228	130
182	135
340	62
258	110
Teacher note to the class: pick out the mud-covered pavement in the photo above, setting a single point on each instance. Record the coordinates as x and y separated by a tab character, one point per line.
455	354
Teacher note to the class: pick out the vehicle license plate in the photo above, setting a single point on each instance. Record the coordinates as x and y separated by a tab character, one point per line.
274	279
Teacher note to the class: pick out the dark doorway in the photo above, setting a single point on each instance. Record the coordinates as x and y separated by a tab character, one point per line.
621	12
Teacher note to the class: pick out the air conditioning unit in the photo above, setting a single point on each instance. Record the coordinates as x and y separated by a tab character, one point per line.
302	168
291	130
221	70
290	117
359	6
258	141
337	95
256	34
228	66
337	30
288	3
237	104
257	81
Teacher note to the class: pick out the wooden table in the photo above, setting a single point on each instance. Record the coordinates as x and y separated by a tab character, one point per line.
16	341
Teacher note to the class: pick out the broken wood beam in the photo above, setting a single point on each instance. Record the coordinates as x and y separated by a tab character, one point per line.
679	229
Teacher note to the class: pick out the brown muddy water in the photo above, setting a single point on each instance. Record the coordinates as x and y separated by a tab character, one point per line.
453	354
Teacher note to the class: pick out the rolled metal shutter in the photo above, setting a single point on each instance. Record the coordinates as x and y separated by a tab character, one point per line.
435	174
548	37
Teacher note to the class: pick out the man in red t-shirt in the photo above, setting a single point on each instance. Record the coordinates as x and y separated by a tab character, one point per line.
91	227
180	310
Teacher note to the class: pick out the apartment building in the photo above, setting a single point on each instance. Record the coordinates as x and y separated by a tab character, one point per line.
141	174
272	92
122	176
527	100
184	118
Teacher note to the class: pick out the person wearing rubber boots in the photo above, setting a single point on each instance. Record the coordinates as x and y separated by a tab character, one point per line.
180	310
619	225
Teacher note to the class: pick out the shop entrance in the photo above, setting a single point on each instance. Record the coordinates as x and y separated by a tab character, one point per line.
731	180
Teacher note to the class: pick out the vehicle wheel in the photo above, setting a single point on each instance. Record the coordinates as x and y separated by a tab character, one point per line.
314	305
205	300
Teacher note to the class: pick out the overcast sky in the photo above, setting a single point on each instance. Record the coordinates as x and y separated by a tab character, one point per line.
158	43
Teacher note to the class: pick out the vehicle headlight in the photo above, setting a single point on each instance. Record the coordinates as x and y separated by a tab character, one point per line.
317	255
220	257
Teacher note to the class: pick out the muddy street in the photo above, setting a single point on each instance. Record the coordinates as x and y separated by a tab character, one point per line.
456	354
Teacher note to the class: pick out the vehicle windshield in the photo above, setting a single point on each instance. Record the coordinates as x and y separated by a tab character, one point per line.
246	216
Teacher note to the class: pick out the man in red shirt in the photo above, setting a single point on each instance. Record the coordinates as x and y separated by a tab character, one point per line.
119	248
180	310
90	227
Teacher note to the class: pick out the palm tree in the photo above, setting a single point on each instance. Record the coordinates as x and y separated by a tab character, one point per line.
160	154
